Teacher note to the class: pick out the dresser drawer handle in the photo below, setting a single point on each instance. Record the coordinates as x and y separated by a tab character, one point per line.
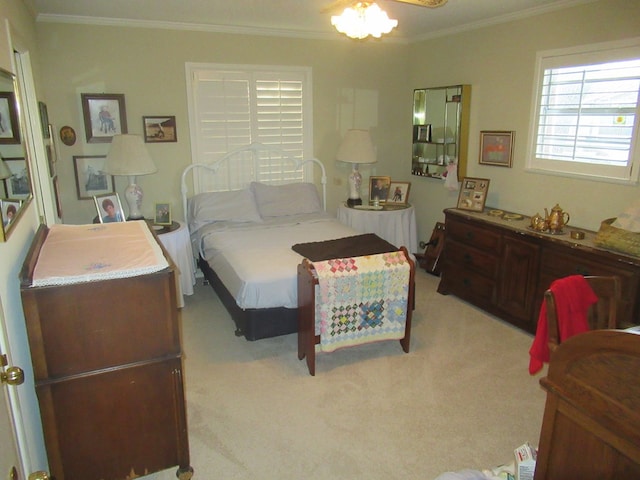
467	258
582	270
466	282
470	235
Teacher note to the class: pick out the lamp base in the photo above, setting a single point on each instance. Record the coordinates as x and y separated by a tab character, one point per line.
352	202
133	194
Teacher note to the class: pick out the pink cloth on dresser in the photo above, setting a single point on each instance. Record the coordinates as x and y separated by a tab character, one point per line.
83	253
573	297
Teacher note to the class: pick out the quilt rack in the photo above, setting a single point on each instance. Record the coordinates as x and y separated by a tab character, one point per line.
393	274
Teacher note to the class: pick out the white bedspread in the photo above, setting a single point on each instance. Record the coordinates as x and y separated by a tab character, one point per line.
255	261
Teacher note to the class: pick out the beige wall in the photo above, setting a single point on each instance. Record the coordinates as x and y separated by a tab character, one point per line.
498	61
354	85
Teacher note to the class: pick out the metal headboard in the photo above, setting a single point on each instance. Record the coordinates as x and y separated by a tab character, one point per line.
256	152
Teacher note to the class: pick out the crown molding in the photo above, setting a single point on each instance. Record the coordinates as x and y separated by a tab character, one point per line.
199	27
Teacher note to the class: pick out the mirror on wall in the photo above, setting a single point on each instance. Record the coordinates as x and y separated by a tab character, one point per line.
15	179
440	130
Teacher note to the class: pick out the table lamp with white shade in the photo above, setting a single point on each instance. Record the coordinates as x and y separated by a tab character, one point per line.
356	148
128	156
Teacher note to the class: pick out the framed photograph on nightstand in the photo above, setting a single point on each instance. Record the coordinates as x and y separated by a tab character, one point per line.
163	214
398	193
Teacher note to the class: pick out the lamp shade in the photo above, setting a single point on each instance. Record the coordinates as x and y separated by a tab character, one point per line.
128	156
356	147
4	169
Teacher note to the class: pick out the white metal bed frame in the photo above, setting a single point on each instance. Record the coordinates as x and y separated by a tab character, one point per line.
255	149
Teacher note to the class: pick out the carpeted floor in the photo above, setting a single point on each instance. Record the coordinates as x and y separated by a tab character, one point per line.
462	398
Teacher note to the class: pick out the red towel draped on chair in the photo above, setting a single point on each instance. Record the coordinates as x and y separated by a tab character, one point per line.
573	297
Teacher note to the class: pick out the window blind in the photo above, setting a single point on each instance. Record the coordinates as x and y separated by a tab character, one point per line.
233	106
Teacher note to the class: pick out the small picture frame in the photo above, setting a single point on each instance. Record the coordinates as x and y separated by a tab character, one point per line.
10	132
44	120
68	135
162	214
10	209
379	188
91	179
398	193
160	129
109	208
473	194
496	148
423	133
104	116
18	184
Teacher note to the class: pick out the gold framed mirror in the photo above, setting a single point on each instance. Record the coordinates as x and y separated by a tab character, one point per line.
16	190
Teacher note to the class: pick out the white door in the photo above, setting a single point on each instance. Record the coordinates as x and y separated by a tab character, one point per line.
9	461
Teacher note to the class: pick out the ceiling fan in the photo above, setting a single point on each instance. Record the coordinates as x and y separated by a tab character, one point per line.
362	18
341	4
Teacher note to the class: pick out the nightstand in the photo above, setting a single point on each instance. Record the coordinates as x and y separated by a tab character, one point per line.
178	244
396	225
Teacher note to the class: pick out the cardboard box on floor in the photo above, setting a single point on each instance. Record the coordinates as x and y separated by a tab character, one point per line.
525	462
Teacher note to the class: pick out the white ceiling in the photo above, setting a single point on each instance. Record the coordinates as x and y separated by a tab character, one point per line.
295	18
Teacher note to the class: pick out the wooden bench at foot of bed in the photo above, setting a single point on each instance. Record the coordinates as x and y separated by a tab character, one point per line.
379	305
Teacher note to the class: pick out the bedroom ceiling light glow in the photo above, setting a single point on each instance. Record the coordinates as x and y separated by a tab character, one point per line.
356	148
128	156
362	20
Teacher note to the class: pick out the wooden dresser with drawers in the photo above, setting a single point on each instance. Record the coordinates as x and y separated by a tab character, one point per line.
504	267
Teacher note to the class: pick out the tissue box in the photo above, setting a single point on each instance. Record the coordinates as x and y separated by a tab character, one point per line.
525	462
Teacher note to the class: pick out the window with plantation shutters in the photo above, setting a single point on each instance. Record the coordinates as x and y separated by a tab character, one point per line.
231	106
585	119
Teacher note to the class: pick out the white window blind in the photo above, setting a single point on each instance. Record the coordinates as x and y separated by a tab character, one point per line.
233	106
586	112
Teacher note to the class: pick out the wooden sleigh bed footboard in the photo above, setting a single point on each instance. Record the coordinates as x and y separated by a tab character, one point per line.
364	314
252	323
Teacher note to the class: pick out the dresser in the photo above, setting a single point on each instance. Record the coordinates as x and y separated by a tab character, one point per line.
107	361
504	267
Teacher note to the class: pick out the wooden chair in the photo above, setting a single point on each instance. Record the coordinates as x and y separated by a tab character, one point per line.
601	315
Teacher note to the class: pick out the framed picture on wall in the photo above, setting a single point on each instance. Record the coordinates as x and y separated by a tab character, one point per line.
104	116
91	179
9	128
496	148
18	184
473	194
160	129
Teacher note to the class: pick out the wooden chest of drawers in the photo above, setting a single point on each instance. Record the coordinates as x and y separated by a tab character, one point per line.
107	361
504	268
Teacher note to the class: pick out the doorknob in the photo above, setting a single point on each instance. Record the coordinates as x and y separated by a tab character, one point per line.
39	476
12	376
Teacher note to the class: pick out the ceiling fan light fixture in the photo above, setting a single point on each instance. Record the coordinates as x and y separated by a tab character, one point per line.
362	20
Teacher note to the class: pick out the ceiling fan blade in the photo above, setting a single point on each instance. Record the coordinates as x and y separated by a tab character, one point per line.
424	3
337	6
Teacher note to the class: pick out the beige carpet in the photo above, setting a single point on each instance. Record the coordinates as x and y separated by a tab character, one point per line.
462	398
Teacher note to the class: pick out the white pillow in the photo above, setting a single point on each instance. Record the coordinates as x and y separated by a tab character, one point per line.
284	200
235	206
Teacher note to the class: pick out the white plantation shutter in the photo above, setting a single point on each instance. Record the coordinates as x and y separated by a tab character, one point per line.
586	112
233	106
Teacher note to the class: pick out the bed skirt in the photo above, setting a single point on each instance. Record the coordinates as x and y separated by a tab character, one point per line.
252	323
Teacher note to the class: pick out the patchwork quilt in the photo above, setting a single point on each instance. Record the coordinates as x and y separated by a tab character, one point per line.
361	299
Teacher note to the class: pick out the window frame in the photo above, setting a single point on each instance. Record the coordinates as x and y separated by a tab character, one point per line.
575	56
253	74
